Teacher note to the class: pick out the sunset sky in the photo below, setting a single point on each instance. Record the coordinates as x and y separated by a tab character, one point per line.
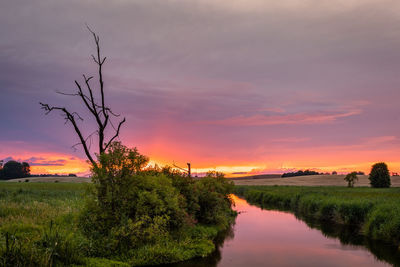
251	86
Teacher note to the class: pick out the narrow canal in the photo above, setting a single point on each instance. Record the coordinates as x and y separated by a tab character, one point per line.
274	238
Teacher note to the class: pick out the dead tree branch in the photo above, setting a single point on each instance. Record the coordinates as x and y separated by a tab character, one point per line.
99	111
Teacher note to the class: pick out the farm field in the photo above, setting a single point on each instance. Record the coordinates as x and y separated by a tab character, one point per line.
312	180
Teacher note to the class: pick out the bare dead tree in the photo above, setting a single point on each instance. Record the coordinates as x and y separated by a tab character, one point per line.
188	171
100	112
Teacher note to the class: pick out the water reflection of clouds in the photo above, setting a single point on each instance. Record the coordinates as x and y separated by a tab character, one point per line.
275	238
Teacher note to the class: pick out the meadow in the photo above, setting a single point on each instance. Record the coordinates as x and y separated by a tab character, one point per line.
39	227
375	212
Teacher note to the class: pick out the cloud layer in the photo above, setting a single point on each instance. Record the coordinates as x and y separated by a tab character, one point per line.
212	82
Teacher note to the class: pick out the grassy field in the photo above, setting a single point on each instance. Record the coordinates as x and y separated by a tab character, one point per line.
37	221
312	180
39	227
375	211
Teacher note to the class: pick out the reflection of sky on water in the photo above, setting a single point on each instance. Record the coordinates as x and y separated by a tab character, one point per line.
274	238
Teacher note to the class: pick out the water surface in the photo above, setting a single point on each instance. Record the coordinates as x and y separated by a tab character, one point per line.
274	238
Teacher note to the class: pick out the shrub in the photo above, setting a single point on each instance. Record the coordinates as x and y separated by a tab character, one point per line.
127	208
379	175
214	199
351	178
139	213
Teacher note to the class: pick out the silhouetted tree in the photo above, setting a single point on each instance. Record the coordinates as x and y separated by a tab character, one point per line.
379	175
351	178
13	169
26	169
99	111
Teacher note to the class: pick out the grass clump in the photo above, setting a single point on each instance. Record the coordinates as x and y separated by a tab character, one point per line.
375	212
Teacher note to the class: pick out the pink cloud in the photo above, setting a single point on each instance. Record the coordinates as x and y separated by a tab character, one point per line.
381	139
299	118
291	140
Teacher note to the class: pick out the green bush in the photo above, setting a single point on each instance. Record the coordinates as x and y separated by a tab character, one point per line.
214	200
130	207
379	176
127	210
186	187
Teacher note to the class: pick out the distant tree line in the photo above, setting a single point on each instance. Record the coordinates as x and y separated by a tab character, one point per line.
308	172
14	169
300	173
54	175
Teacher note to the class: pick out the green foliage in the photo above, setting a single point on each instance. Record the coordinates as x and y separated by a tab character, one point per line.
351	178
214	199
15	252
58	247
27	236
129	215
126	208
379	175
43	224
384	223
171	251
130	207
146	209
374	211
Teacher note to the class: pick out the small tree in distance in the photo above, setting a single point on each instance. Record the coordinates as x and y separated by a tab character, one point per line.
351	178
379	176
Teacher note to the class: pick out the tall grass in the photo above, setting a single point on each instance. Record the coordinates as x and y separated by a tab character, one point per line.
39	226
376	212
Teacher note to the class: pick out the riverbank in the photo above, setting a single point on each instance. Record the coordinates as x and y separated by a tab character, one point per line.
309	180
39	227
376	212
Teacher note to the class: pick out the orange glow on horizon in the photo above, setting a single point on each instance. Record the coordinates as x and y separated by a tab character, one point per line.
323	159
81	167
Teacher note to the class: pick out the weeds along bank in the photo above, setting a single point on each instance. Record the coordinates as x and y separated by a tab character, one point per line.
375	211
129	216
